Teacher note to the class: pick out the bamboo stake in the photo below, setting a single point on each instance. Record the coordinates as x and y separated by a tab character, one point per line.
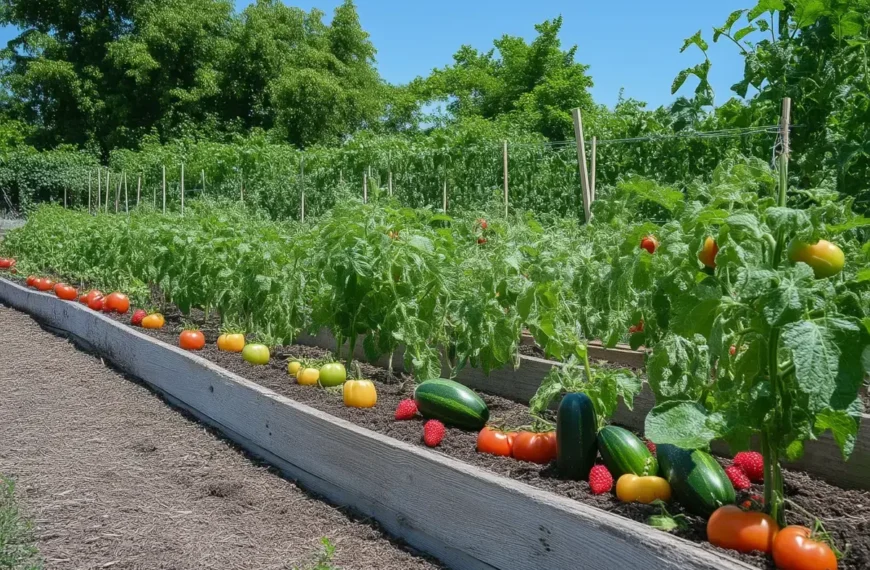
241	187
164	188
126	200
118	194
444	195
108	187
99	188
390	173
505	154
365	188
90	180
592	176
138	190
203	181
390	182
302	183
182	188
64	196
581	159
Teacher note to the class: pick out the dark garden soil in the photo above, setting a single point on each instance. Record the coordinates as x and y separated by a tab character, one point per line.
114	478
845	513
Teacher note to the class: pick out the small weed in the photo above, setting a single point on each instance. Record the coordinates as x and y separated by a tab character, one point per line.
324	557
17	551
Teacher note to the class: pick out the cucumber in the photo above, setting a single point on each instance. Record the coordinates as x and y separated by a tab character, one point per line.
697	480
623	452
452	403
576	423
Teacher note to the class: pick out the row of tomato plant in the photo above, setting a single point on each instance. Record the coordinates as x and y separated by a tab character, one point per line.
746	335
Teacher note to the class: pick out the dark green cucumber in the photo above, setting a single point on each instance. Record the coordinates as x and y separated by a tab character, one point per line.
623	452
697	480
452	403
575	436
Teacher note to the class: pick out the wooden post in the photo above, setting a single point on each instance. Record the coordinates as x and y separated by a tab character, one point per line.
164	188
444	195
365	188
108	186
99	189
202	172
182	188
138	190
90	181
118	194
126	198
784	128
592	176
581	159
505	155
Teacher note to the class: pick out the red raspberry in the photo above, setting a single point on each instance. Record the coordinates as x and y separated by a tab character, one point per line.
752	464
600	480
651	446
738	478
433	432
407	410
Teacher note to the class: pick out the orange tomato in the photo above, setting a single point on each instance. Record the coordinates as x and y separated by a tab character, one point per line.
153	321
535	447
744	531
707	255
231	342
191	340
65	292
495	442
795	549
118	302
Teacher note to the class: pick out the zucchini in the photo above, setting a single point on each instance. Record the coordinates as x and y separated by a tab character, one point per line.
697	480
576	423
623	452
452	403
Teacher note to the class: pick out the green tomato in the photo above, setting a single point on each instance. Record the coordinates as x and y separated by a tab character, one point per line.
256	353
332	374
825	258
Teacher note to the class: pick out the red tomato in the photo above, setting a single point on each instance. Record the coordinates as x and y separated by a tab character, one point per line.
638	328
86	298
795	549
138	316
482	223
65	292
733	350
481	240
535	447
31	279
45	284
744	531
96	303
707	255
118	302
191	340
495	442
6	263
649	243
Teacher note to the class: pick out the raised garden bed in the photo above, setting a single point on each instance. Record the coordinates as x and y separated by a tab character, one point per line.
826	501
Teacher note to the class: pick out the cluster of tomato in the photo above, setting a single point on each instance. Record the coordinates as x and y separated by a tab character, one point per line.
536	447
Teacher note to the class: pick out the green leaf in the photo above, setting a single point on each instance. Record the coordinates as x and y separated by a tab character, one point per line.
745	224
786	302
729	23
788	220
853	223
765	6
743	32
680	423
843	427
695	40
808	12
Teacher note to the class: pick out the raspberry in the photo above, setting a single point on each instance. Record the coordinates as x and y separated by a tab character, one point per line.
406	410
738	478
600	480
752	464
433	432
651	446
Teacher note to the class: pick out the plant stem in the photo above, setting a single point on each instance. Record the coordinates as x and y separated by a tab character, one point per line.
773	490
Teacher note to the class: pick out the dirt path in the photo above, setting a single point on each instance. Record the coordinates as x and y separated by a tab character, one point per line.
114	478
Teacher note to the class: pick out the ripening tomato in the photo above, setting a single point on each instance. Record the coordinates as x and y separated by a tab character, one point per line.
191	340
535	447
45	284
638	328
307	376
495	442
794	548
138	316
153	321
118	302
649	243
332	374
233	342
825	258
293	367
65	292
633	489
707	255
733	350
97	303
481	241
31	279
482	223
257	354
744	531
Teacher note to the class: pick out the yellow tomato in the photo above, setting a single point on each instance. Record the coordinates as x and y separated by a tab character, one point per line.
360	394
155	321
231	342
307	376
633	489
294	367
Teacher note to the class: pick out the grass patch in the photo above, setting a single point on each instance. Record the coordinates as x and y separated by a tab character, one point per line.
324	557
17	550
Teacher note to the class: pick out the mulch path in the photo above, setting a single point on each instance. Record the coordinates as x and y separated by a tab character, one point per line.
114	478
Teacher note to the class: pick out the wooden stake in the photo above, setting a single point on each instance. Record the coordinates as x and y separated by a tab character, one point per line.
108	186
505	155
341	176
99	188
592	176
581	159
390	172
241	187
302	184
784	128
444	196
203	181
90	181
365	188
138	190
390	182
126	199
64	196
118	194
182	188
164	188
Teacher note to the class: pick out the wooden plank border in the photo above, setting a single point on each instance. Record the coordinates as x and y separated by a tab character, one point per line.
465	516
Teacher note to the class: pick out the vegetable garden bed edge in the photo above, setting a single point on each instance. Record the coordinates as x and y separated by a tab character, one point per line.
461	514
822	457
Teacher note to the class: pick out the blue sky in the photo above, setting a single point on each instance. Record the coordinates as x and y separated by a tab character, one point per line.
628	43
